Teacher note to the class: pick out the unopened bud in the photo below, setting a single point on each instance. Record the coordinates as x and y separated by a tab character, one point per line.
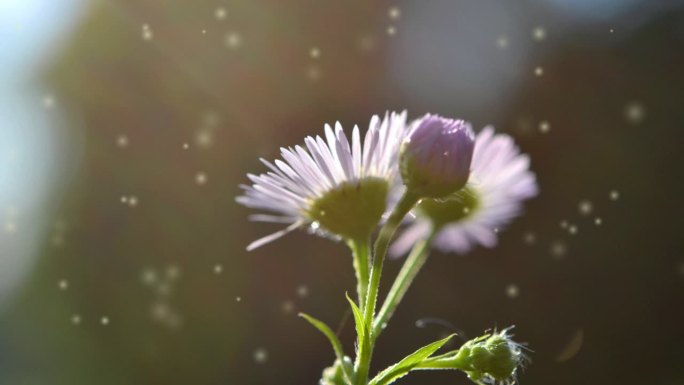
436	155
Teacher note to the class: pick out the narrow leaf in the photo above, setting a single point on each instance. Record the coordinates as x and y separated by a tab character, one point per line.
363	338
358	318
404	366
334	341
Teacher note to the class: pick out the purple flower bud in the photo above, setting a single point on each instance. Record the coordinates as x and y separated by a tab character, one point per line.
436	155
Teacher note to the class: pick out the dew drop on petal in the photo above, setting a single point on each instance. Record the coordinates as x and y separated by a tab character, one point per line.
260	356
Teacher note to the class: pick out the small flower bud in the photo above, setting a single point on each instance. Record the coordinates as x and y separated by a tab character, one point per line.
436	155
334	375
491	358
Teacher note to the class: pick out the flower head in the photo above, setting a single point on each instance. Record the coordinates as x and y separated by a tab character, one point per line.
436	155
332	187
500	180
492	359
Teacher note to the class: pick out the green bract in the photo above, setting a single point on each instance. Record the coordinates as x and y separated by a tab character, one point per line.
453	208
351	210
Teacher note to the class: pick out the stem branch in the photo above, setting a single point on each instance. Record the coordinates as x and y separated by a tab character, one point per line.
414	262
405	205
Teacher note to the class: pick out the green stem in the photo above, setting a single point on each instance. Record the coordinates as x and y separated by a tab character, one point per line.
438	364
405	205
451	360
361	252
414	262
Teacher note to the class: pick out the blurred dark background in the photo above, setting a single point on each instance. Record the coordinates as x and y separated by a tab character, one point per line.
126	127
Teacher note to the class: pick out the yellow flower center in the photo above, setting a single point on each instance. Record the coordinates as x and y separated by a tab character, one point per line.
351	210
453	208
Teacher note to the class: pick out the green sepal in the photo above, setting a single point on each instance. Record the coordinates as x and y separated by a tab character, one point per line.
404	366
334	341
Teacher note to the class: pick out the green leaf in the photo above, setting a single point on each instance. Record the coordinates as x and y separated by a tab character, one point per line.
334	341
361	329
363	340
404	366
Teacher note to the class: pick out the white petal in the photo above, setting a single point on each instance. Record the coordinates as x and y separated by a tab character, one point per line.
272	237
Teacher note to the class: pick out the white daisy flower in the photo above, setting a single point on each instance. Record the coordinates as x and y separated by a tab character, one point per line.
331	187
500	180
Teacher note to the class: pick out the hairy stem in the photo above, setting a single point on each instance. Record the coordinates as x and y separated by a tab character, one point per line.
405	205
414	262
361	252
